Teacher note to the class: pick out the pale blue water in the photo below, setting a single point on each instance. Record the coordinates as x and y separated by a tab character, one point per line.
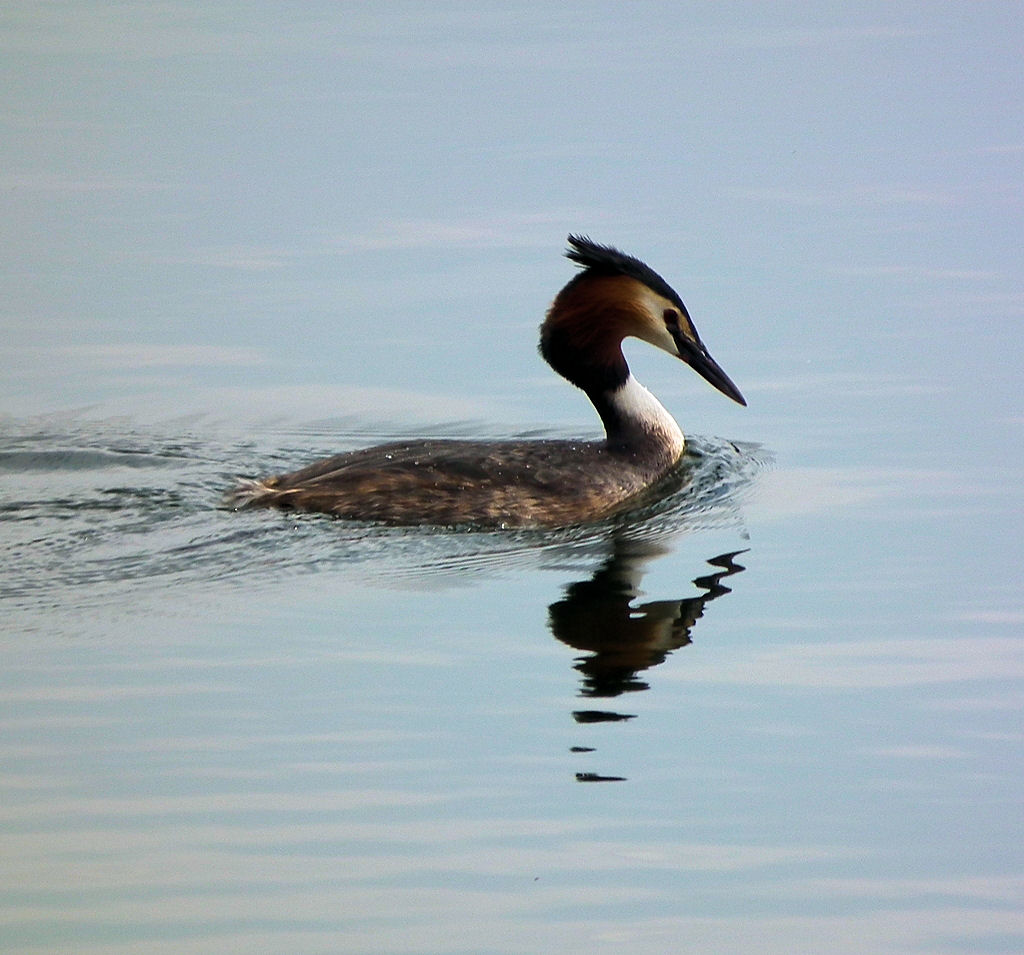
780	712
232	730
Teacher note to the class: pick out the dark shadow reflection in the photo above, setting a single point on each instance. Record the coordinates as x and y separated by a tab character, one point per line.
621	639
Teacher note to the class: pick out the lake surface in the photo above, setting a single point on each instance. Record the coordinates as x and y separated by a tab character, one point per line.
777	710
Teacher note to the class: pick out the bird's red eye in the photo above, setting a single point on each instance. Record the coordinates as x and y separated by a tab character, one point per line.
671	317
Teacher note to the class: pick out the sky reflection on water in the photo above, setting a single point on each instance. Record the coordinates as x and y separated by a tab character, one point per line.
290	754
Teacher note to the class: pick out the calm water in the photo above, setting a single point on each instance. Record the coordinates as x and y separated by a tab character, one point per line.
778	711
765	712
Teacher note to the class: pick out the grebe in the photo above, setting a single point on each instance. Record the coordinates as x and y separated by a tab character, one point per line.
531	483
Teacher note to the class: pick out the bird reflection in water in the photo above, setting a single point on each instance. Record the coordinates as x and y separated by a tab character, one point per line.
622	639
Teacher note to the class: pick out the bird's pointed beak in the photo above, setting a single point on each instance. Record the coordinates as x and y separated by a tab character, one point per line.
697	357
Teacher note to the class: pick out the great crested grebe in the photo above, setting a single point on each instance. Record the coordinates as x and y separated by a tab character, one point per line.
542	482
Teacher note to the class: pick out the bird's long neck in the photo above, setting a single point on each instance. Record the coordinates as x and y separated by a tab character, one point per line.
635	422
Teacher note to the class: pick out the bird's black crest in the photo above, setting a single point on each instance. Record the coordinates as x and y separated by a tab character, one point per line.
607	260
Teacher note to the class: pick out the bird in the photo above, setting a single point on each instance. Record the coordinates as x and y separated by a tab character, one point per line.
542	483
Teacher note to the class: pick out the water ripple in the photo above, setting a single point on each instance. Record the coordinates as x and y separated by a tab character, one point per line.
108	504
